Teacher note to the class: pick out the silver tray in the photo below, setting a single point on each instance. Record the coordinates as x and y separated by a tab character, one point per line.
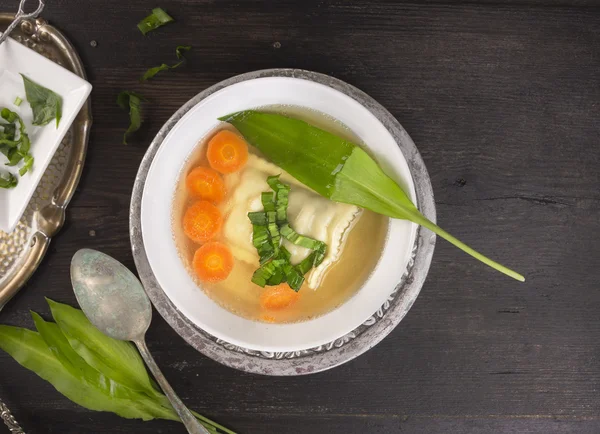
22	250
342	349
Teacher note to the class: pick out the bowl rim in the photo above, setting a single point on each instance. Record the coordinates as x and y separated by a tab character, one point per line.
346	347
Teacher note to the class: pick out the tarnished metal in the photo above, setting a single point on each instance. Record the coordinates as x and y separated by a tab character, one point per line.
22	250
114	301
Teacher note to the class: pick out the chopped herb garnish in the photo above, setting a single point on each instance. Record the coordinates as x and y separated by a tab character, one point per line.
14	157
131	101
18	101
45	104
268	228
8	180
178	52
27	166
15	149
8	131
258	218
156	19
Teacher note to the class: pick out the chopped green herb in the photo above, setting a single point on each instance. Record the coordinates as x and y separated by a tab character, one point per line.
8	131
131	101
268	228
14	157
156	19
262	243
45	104
258	218
299	240
282	192
18	101
8	115
8	180
293	277
181	49
337	169
178	52
27	166
15	150
153	71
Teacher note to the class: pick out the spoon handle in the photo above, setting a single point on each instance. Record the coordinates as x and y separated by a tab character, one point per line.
188	419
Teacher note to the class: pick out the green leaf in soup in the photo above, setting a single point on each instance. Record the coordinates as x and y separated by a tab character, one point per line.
131	101
45	104
115	359
337	169
31	351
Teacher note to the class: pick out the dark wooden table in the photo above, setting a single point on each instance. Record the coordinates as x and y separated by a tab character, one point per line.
502	99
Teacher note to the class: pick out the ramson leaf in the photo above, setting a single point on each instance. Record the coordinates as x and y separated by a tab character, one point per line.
337	169
45	104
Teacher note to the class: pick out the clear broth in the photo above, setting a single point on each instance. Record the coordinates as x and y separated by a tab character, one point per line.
344	278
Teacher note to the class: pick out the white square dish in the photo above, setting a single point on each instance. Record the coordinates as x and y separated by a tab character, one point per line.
16	59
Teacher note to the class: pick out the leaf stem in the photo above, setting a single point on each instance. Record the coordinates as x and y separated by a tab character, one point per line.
420	219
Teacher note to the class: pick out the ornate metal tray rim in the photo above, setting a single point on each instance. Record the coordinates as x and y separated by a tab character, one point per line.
50	219
342	349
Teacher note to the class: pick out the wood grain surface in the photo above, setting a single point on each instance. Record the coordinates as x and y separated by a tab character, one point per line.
502	99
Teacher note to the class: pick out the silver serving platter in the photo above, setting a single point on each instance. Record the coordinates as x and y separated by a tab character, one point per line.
343	349
22	250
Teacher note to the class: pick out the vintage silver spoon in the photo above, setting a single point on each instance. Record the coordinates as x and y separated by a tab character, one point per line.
114	301
20	16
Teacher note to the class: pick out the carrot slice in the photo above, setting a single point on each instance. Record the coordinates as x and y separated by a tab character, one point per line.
202	221
278	297
213	262
206	184
227	152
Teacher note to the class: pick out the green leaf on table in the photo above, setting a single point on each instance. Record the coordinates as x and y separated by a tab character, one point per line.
337	169
131	101
156	19
150	73
116	359
30	350
78	367
45	104
51	355
8	180
18	101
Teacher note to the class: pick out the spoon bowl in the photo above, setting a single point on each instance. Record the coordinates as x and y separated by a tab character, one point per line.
114	300
110	295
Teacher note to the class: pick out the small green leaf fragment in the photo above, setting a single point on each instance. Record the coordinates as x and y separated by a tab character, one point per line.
156	19
133	102
8	180
28	158
150	73
18	101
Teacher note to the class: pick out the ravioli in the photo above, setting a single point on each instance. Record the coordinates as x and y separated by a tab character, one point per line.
308	213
